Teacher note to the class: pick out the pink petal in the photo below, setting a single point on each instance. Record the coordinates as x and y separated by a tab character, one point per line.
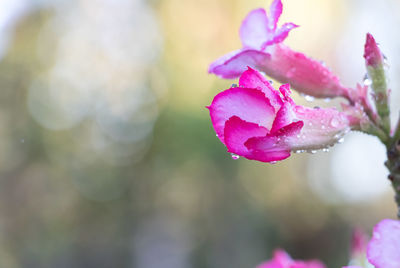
322	128
289	130
273	147
282	260
384	248
275	11
279	260
235	63
253	31
237	132
306	75
266	149
250	105
359	96
280	35
286	92
357	115
358	243
253	79
372	54
283	117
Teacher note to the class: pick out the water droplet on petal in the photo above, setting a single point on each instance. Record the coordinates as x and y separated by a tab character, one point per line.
327	100
334	122
323	127
309	98
385	62
235	156
325	150
312	151
341	140
366	80
310	124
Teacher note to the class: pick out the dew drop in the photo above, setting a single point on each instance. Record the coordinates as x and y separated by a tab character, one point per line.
323	127
366	80
334	122
310	124
327	100
235	156
325	150
341	140
309	98
385	60
313	151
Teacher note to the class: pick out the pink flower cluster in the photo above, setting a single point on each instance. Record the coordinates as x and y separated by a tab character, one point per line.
258	122
383	250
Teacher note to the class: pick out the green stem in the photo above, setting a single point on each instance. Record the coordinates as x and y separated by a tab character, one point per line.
372	129
393	164
378	77
396	133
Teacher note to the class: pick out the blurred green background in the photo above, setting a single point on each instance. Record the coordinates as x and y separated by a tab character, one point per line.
108	157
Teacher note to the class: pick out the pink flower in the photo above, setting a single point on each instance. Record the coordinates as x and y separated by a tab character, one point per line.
358	244
282	260
263	50
372	54
384	248
258	122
